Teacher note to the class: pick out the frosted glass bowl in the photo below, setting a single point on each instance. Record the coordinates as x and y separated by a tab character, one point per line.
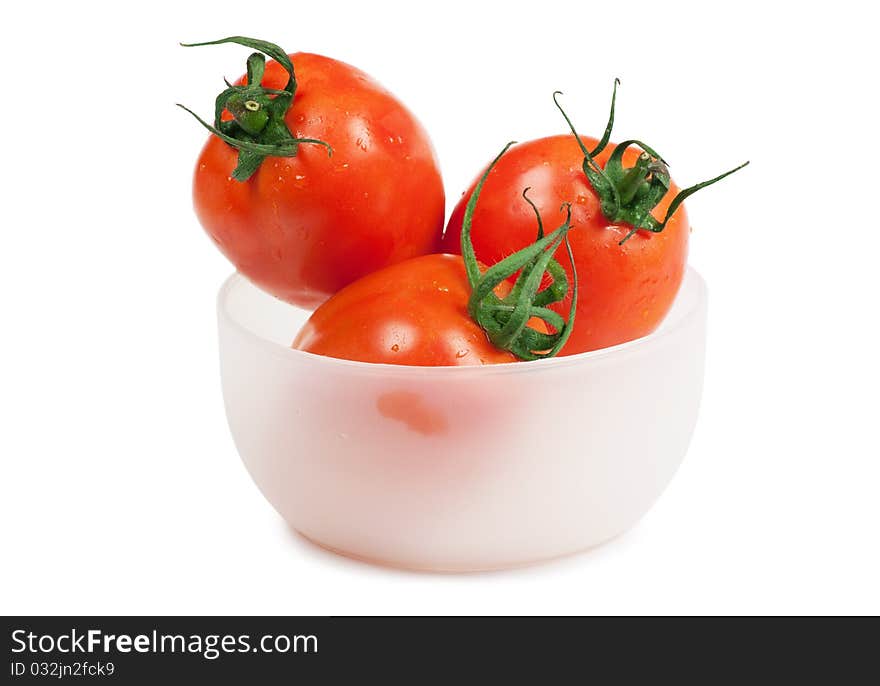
459	468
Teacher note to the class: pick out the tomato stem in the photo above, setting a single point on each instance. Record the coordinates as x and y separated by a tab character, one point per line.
628	195
257	128
505	320
634	177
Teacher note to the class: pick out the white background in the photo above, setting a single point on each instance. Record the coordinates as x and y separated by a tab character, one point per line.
121	491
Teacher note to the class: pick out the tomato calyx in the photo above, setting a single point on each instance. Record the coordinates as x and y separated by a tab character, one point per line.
629	194
257	128
505	320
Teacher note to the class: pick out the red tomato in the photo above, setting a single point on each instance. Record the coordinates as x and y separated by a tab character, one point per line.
303	227
412	313
444	310
626	290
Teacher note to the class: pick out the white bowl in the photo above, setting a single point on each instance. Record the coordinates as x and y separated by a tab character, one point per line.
459	468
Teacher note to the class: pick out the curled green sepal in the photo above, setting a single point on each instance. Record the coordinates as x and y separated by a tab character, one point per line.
505	320
627	195
257	128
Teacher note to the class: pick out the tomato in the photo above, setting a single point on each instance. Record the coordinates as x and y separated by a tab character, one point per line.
305	225
412	313
629	276
446	310
626	290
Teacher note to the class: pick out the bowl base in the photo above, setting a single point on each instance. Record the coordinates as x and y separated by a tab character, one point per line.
463	569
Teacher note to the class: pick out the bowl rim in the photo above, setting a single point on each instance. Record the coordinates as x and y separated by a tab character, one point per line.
684	319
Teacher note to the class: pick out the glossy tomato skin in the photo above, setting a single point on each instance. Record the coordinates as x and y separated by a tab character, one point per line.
303	227
411	313
625	290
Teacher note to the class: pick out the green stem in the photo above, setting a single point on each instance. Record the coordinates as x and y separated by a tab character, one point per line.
627	195
258	128
505	320
633	179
